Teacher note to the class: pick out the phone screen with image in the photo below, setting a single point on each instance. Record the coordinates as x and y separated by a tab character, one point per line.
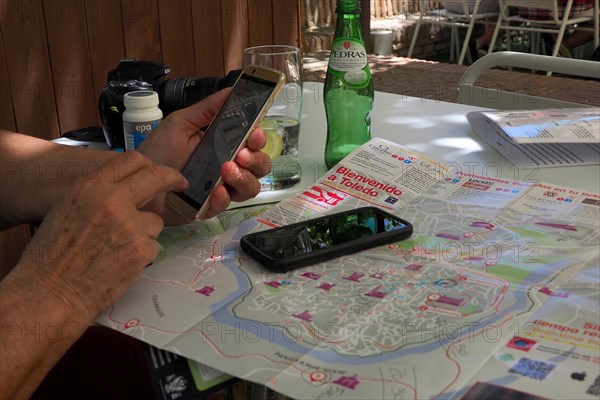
311	241
224	136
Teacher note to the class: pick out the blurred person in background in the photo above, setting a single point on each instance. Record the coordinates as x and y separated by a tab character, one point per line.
479	46
569	41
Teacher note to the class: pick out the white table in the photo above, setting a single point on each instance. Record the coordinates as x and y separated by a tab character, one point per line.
435	128
438	129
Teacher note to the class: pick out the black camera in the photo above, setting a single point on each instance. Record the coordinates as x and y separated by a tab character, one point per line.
173	94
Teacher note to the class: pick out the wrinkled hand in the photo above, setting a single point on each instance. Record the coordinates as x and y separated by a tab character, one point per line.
175	140
94	243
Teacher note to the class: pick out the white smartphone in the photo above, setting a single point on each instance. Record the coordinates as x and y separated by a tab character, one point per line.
251	97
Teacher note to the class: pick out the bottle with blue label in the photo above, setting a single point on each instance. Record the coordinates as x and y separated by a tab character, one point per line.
141	116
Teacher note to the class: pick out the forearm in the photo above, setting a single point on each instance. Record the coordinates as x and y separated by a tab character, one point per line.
90	248
35	173
36	331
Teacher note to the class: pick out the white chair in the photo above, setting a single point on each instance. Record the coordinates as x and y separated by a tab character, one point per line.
556	23
455	17
470	94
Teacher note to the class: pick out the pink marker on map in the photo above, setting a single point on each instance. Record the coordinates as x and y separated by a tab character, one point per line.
552	293
206	290
349	382
447	236
481	224
558	226
304	316
376	293
326	286
311	275
450	301
354	277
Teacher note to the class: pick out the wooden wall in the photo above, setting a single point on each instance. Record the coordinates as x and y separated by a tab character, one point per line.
55	56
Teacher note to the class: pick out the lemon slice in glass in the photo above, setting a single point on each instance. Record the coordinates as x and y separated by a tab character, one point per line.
274	144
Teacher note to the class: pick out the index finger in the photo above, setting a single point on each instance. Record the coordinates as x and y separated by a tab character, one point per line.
151	180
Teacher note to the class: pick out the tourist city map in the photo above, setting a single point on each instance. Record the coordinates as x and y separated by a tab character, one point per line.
496	291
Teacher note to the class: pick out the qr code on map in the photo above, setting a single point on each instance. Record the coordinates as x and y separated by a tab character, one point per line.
594	390
532	369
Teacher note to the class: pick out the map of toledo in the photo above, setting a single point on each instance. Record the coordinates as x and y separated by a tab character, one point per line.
414	319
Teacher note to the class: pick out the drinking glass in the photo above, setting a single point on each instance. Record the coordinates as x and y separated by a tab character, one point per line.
282	121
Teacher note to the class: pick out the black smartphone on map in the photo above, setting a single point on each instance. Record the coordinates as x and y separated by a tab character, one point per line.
251	97
315	240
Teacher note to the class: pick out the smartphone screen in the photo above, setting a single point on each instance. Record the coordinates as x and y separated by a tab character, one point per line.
224	136
323	238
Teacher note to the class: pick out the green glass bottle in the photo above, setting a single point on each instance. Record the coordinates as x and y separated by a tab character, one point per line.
348	93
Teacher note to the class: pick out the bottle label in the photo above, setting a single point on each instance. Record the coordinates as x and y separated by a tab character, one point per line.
348	61
136	132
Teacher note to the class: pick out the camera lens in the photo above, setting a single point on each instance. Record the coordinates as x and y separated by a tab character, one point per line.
179	93
182	92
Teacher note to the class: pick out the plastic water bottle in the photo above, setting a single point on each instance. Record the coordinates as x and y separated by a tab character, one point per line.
349	93
141	116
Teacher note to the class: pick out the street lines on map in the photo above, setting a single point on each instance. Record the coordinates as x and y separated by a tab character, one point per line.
451	354
458	371
316	334
206	339
400	341
318	377
396	373
203	267
413	389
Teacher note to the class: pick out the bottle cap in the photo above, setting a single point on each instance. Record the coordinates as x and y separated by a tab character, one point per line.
140	99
